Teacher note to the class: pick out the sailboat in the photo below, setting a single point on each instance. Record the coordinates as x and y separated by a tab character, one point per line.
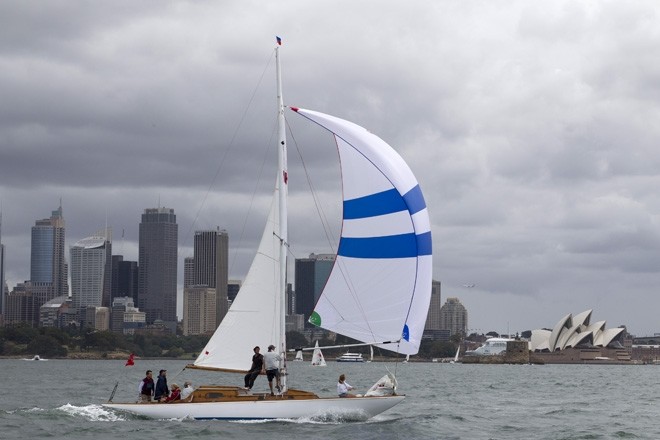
378	291
299	356
458	350
317	357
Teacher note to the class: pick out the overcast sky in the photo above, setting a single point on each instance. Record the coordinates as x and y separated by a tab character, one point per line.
533	129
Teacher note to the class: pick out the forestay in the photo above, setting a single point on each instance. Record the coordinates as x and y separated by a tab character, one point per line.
380	286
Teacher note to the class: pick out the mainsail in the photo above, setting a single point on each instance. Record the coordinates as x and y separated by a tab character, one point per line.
380	286
253	318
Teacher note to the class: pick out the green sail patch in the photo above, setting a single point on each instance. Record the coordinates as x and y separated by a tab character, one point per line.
315	319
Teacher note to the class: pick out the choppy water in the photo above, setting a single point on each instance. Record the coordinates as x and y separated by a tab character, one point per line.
61	399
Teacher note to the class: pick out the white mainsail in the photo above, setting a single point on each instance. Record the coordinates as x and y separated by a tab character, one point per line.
317	357
230	347
380	286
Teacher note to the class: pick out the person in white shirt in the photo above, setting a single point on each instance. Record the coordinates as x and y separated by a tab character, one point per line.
344	387
272	366
186	393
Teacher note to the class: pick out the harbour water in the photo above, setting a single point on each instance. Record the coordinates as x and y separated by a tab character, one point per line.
61	399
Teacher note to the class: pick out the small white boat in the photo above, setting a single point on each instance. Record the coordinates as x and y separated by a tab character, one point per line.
36	357
299	356
492	346
458	350
317	357
350	357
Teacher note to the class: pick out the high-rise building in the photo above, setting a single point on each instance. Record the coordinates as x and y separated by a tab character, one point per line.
454	317
91	271
188	271
311	275
20	306
211	266
158	266
125	317
124	277
48	268
433	317
3	294
199	307
233	286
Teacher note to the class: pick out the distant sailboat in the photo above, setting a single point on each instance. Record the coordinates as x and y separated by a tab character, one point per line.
456	357
317	357
299	356
407	359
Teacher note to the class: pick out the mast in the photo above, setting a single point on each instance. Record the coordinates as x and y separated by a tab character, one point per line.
282	200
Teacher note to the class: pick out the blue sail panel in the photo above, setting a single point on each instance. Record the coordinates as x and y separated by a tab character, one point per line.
392	246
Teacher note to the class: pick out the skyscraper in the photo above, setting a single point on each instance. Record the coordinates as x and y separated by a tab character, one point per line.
454	317
158	265
124	278
199	306
3	294
91	271
433	317
48	268
311	275
211	266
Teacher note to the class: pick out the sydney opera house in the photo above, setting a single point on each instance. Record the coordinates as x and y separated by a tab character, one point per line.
576	339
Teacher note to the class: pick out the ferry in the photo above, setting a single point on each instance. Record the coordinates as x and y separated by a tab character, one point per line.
350	357
491	347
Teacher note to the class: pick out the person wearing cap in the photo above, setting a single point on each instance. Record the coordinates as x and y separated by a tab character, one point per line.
162	391
256	368
272	366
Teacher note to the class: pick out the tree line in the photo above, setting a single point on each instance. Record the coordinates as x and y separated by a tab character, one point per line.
24	340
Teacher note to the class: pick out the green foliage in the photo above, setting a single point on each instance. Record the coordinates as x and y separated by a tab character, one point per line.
437	349
46	346
14	340
21	334
296	340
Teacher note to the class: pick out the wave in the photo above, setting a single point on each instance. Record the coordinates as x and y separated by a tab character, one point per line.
95	413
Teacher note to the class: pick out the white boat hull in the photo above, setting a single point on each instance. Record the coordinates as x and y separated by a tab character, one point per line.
354	408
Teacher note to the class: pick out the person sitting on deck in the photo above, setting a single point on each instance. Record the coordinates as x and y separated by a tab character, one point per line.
256	368
175	395
186	394
344	387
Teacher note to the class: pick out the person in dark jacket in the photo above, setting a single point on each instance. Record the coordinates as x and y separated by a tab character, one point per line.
256	368
146	388
162	391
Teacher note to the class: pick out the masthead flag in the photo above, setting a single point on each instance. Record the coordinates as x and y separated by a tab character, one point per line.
279	40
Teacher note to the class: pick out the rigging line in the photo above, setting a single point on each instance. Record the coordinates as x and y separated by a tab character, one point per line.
226	151
252	198
332	242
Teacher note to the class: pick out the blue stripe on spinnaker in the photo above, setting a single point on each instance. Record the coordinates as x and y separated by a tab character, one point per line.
424	244
391	246
386	202
415	200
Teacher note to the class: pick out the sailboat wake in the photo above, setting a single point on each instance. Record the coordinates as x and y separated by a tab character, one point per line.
95	413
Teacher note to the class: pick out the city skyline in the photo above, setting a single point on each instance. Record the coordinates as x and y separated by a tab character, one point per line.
530	127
